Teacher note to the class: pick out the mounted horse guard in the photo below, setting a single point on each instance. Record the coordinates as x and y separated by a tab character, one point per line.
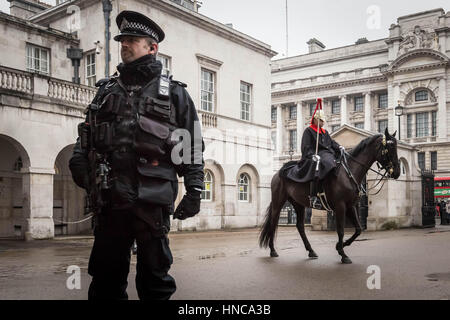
339	181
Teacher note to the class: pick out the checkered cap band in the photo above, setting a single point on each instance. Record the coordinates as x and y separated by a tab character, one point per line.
134	26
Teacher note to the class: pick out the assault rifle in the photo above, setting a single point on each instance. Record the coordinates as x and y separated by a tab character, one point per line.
98	166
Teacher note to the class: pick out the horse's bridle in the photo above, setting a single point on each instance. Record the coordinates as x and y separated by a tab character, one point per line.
386	161
385	158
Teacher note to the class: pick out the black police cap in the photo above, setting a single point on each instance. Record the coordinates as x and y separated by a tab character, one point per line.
135	24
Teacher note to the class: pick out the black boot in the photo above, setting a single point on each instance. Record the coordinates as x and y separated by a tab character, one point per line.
314	201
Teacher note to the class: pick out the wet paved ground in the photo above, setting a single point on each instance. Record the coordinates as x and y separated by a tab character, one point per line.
414	264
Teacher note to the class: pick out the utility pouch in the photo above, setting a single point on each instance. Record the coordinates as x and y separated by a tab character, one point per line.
155	107
83	133
103	135
152	138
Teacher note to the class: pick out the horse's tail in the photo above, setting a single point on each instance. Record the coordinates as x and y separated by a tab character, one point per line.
269	227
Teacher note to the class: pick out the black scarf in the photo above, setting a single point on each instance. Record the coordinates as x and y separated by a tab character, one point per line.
140	71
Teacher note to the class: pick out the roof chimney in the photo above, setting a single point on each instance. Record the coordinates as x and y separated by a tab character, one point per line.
362	40
315	45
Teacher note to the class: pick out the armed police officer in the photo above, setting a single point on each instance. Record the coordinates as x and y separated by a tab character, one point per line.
124	158
314	167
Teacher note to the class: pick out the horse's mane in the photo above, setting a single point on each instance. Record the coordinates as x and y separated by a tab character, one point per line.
363	144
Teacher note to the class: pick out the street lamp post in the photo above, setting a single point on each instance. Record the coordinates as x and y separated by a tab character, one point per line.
399	113
291	152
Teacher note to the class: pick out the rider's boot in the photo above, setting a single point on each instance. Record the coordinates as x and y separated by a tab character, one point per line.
314	201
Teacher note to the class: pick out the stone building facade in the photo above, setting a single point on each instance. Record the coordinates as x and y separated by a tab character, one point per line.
43	93
361	85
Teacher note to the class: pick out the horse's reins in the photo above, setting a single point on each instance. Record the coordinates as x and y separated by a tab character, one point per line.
360	187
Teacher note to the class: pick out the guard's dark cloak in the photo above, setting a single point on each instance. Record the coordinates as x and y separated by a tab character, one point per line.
303	171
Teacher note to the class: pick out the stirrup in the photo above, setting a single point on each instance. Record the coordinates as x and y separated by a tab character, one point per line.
315	203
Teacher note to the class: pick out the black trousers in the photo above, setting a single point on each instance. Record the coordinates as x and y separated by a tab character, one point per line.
109	263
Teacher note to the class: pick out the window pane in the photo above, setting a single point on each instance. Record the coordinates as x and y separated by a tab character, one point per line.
336	106
433	160
421	160
274	114
422	124
422	95
312	107
409	122
382	125
359	104
433	123
383	101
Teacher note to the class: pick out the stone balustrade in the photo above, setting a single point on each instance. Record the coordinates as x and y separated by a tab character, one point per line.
208	119
26	82
16	80
68	91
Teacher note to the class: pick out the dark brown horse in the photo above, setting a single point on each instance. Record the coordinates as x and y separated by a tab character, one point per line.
341	190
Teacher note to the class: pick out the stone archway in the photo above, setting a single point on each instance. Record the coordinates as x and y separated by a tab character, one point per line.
14	158
68	198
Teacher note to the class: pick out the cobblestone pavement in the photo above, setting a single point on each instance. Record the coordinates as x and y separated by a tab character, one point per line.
414	264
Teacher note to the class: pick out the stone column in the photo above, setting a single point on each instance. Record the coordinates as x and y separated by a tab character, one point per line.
442	110
38	203
392	118
300	125
367	111
344	114
280	130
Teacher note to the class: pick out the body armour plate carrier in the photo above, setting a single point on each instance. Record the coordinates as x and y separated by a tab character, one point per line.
133	132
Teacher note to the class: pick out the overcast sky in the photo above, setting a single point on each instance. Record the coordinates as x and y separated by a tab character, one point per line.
334	23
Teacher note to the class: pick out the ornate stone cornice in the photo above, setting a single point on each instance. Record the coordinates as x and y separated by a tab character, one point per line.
328	60
394	67
335	85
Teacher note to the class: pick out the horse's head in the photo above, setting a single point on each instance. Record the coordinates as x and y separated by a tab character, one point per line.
387	155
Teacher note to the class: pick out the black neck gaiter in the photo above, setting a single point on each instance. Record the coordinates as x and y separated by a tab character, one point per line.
140	71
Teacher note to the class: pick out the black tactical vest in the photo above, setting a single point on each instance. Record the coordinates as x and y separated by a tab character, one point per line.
133	131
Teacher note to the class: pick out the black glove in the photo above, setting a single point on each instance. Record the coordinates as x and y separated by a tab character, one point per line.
189	205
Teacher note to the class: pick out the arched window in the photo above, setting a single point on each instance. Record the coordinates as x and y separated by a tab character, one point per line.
421	95
244	187
207	186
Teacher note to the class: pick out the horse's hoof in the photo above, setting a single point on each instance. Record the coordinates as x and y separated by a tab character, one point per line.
313	255
346	260
273	254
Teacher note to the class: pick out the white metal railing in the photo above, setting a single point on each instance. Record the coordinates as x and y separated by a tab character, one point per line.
15	80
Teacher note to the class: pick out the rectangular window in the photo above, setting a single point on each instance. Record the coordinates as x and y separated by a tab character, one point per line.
335	127
90	69
421	160
165	61
312	107
433	123
293	140
421	124
383	101
273	114
207	91
409	123
246	98
293	112
359	104
336	106
382	125
359	125
433	160
38	59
